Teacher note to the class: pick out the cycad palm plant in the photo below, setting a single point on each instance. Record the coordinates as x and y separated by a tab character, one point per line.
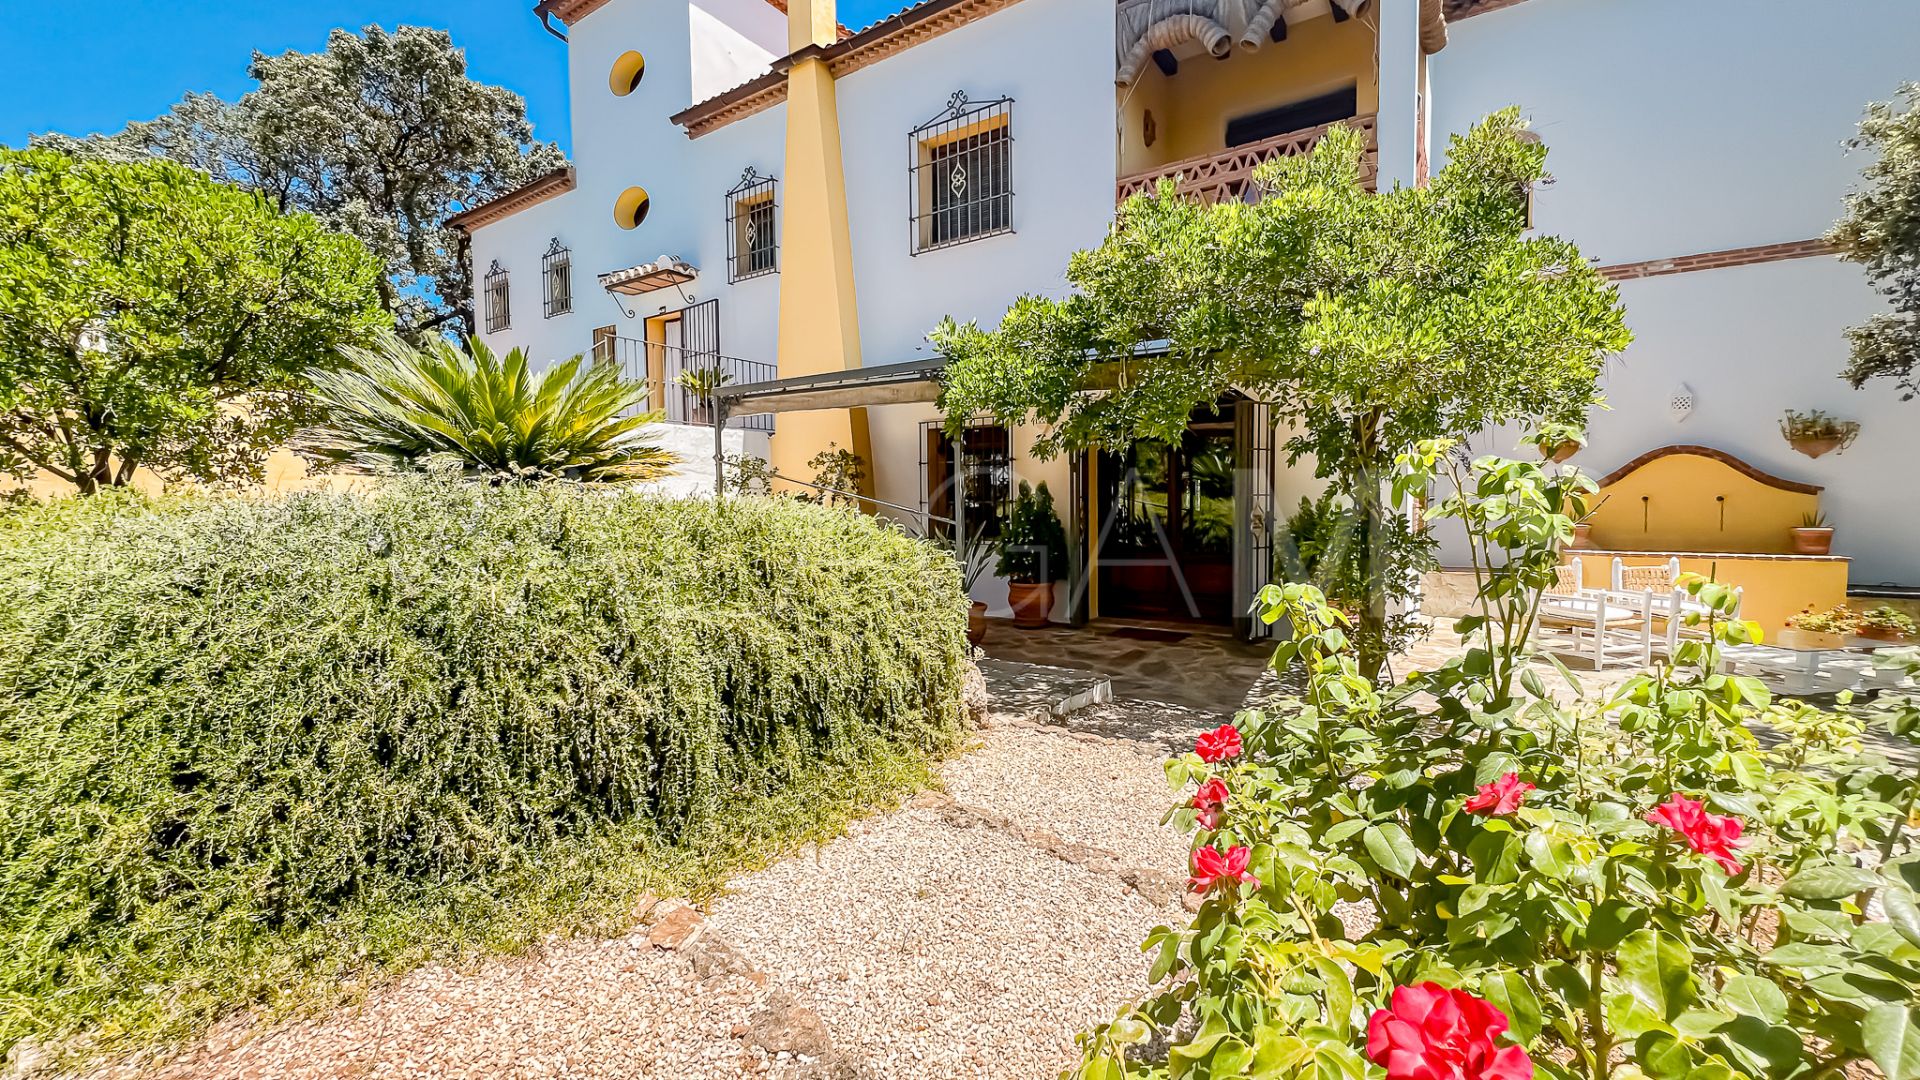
395	408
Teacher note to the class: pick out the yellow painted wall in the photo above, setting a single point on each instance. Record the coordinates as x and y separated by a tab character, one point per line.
1191	108
1774	588
285	471
1683	509
819	322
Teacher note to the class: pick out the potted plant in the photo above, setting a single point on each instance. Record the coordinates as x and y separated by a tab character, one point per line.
1033	555
1816	433
1814	536
1558	442
701	383
975	557
1819	629
1885	623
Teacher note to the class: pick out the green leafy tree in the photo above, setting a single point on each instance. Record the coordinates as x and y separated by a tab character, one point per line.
151	317
382	135
1369	322
1881	231
397	408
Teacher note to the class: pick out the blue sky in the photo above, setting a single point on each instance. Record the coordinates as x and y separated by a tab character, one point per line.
81	66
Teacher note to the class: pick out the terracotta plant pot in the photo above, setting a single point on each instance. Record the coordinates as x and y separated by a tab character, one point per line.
1875	633
1031	603
1815	447
977	623
1812	541
1559	452
1582	538
1792	638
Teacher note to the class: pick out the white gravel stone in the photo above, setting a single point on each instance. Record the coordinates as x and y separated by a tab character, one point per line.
1021	949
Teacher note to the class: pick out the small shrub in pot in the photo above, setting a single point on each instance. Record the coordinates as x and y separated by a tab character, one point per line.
1033	554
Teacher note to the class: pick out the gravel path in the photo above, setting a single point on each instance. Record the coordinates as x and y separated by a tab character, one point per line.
969	935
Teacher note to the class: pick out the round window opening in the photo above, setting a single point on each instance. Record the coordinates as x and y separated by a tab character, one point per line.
627	72
632	207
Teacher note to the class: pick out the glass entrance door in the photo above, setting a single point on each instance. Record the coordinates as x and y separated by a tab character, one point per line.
1166	513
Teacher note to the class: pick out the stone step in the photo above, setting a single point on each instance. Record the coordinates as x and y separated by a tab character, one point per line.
1042	693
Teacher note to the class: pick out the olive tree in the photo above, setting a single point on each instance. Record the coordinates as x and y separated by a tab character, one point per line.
1881	231
152	317
1369	322
382	135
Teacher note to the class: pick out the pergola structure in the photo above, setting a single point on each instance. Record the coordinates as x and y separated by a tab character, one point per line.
889	384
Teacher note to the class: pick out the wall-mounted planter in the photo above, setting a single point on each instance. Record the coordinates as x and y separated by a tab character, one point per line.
1814	448
1816	433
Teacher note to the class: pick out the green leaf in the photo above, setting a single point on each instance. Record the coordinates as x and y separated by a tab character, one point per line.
1902	912
1890	1034
1510	992
1658	971
1611	922
1829	882
1391	849
1772	1049
1751	995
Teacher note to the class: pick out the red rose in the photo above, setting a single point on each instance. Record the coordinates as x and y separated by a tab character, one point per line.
1432	1033
1219	744
1210	867
1500	798
1712	835
1211	801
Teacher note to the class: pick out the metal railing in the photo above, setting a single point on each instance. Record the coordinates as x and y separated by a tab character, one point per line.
678	379
1228	174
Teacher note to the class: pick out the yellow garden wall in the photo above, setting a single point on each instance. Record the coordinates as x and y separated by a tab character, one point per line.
1687	500
1775	586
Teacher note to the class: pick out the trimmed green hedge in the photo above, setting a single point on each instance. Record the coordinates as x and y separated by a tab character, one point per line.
230	728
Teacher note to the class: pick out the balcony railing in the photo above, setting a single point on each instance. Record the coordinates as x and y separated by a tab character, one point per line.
661	366
1228	174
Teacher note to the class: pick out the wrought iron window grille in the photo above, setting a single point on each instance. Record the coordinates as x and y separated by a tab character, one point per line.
753	242
960	170
556	272
976	469
499	300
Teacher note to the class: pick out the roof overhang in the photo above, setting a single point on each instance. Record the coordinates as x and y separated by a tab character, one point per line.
538	190
890	35
889	384
664	272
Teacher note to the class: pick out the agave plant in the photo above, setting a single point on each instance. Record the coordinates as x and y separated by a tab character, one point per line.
394	407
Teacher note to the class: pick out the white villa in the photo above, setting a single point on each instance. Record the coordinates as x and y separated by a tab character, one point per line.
758	190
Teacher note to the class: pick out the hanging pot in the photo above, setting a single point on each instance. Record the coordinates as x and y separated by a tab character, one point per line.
1560	451
1813	448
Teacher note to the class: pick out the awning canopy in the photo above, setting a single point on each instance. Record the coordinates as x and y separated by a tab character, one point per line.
663	272
889	384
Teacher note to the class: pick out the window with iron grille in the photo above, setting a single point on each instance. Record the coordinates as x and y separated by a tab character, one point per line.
753	246
976	469
499	310
556	270
962	174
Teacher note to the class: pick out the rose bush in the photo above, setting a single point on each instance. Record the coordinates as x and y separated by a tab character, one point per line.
1463	875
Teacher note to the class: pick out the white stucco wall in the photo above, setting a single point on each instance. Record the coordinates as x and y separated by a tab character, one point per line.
1676	129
